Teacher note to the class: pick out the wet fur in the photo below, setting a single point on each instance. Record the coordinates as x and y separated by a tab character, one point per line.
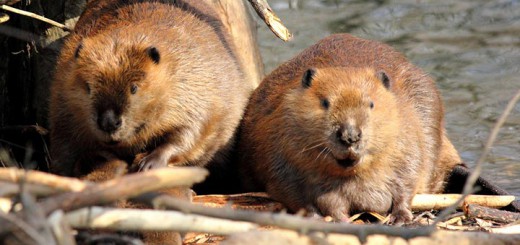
284	134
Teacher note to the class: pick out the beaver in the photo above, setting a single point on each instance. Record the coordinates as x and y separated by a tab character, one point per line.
348	125
145	76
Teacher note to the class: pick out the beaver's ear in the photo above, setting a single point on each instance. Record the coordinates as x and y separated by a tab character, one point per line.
78	49
153	53
308	75
384	79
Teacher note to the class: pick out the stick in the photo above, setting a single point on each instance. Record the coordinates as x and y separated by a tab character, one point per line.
472	179
287	221
8	189
152	220
269	17
127	186
15	175
476	211
423	202
3	18
35	16
18	230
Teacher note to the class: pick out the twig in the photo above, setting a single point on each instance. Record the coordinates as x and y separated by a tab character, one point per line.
288	221
34	215
476	211
152	220
269	17
17	229
472	179
124	187
14	175
35	16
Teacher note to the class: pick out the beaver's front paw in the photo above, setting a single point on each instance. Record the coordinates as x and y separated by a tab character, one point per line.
152	161
400	216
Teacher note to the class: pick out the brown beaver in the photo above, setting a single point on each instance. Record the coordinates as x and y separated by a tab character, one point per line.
348	125
145	76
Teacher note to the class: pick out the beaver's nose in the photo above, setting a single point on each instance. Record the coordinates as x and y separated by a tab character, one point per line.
108	121
348	135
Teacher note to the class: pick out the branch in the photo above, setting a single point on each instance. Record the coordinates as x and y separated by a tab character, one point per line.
152	220
423	202
15	175
290	222
472	179
476	211
269	17
35	16
124	187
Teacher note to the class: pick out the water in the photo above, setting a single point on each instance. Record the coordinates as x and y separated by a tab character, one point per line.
472	48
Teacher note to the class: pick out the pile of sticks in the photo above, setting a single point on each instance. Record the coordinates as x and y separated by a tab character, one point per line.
41	208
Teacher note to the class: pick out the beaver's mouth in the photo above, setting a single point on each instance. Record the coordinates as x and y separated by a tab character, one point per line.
346	158
347	162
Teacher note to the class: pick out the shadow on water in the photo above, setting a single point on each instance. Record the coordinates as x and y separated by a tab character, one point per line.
472	48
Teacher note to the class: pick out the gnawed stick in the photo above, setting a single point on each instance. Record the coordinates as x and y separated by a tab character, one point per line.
477	211
423	202
35	16
127	186
287	221
15	175
152	220
269	17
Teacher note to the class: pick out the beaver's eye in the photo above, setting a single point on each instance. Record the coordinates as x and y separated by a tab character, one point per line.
133	89
87	87
325	103
371	105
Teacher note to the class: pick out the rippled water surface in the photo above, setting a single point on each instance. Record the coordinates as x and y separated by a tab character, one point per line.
472	48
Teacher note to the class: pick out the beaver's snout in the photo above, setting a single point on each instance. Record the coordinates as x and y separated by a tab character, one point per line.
348	135
108	121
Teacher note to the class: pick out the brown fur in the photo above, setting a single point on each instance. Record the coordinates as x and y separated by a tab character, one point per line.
288	141
188	102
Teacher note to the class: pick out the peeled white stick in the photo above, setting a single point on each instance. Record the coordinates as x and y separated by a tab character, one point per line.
152	220
422	202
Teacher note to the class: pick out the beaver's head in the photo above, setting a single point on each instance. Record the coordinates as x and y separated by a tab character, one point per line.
342	111
118	87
